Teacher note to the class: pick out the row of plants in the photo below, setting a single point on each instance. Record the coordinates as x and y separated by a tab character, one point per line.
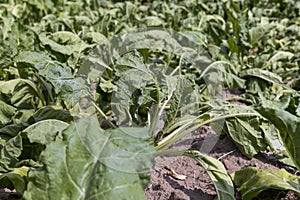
91	91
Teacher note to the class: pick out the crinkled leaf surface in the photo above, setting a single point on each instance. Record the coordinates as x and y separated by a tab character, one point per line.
19	151
127	85
252	181
10	153
27	145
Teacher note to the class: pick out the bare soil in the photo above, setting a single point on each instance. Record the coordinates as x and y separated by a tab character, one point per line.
198	185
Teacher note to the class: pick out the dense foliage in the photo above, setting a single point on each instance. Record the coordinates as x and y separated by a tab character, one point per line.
92	90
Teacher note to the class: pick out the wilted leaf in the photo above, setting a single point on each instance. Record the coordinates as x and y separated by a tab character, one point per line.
217	172
252	181
289	127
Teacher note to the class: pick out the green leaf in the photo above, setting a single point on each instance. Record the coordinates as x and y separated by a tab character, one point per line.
217	172
220	73
15	179
45	131
66	86
31	58
31	117
10	153
289	127
21	93
12	130
133	60
280	55
50	113
252	181
157	40
73	167
27	144
245	133
262	74
64	42
127	149
127	86
257	32
6	112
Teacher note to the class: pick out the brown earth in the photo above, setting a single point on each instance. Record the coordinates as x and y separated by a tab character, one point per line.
197	184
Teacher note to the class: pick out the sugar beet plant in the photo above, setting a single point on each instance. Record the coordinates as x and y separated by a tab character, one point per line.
90	96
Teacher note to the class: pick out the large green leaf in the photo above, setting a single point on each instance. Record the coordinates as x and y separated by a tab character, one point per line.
73	167
289	127
217	172
259	80
18	152
151	39
126	149
252	181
